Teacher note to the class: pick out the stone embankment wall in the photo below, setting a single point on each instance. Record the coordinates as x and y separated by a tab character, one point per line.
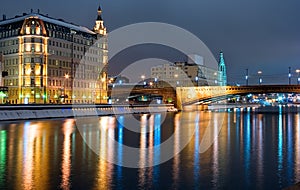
8	113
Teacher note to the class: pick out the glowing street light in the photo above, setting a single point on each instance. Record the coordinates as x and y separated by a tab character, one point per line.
260	79
247	77
196	80
290	76
298	79
143	78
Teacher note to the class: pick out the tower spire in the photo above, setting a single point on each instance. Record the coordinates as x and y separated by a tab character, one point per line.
99	17
99	24
222	70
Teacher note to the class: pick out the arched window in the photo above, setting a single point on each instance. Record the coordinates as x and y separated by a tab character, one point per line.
33	27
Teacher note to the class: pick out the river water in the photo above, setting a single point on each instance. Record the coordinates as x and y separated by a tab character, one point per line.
245	151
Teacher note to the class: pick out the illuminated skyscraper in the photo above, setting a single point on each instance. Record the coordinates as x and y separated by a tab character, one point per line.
52	61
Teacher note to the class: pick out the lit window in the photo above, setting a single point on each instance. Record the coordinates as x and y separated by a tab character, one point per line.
27	30
38	30
27	69
27	47
37	70
37	48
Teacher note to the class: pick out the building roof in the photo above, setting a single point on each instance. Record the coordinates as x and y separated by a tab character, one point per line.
49	20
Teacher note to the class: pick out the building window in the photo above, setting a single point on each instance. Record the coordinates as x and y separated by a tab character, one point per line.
38	30
27	29
27	47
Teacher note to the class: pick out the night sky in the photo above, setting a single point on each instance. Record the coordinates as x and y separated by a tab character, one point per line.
256	34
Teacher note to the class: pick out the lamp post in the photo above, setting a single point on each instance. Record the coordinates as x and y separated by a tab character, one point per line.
260	79
155	81
176	80
197	79
290	76
66	80
143	78
298	79
247	77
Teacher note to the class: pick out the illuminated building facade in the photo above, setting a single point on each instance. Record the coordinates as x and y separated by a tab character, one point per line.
193	72
52	61
222	70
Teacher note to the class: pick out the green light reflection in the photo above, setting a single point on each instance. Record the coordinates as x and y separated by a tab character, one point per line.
2	157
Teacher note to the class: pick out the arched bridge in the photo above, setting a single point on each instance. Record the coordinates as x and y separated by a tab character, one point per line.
191	95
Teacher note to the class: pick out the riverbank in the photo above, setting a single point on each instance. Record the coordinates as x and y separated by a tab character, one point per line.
31	112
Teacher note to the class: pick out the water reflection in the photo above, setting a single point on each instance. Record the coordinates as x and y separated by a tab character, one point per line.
3	140
251	151
120	128
35	157
196	149
150	138
176	159
280	141
297	147
105	169
66	156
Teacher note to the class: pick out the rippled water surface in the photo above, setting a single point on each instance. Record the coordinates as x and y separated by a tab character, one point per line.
252	151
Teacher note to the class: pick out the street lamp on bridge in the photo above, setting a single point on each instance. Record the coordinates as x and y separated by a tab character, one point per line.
143	79
298	79
260	78
247	77
290	76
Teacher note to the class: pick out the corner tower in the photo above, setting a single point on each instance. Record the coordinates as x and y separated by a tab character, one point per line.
101	43
99	27
222	71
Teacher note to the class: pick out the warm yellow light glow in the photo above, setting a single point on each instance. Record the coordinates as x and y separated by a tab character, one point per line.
27	69
66	161
37	48
27	30
67	76
37	70
37	82
27	81
38	30
27	47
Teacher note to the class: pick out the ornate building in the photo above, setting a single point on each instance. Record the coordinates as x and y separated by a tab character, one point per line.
52	61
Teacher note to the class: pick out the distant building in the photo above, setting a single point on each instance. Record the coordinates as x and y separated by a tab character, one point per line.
52	61
193	72
222	71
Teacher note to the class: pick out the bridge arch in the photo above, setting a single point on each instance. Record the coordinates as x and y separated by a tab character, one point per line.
185	98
